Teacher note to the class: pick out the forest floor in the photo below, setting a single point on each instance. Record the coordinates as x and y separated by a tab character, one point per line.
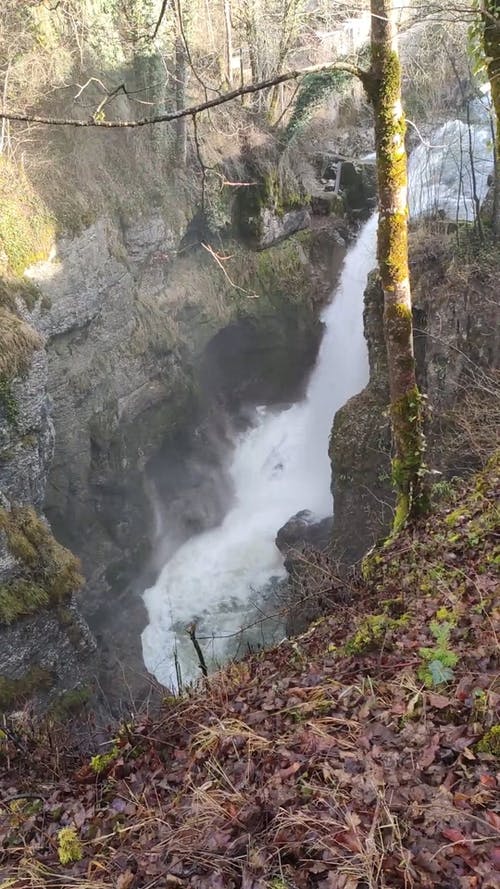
361	754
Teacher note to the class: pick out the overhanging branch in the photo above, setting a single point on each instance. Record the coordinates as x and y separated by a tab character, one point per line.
184	112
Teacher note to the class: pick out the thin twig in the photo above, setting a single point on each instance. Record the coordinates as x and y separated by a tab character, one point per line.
217	259
160	19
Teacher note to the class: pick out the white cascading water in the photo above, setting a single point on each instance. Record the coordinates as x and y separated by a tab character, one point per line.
441	174
279	466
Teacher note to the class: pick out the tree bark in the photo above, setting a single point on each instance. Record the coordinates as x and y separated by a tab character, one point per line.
229	42
181	77
491	19
384	88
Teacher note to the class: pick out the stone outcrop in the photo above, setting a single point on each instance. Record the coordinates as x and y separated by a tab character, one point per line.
457	344
45	645
27	436
45	656
303	530
360	447
274	228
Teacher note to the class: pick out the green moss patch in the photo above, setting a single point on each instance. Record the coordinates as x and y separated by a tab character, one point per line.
271	193
490	742
8	404
48	572
280	274
27	230
27	233
455	544
373	631
14	691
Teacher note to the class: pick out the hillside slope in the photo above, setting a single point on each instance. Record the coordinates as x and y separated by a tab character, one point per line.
361	754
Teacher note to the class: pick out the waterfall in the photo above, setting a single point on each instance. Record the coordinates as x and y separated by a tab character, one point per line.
442	172
279	466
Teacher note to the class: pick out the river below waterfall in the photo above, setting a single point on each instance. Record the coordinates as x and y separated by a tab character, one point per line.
279	466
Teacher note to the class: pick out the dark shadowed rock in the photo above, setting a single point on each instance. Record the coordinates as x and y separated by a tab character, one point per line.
302	529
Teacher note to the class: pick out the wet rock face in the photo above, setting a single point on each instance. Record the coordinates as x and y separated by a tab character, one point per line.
360	447
27	437
116	387
274	228
303	530
44	656
353	181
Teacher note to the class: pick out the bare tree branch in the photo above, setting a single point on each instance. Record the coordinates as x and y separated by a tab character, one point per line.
218	260
160	19
185	112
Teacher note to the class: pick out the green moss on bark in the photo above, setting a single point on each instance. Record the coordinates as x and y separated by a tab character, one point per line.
393	249
384	90
407	468
385	93
491	39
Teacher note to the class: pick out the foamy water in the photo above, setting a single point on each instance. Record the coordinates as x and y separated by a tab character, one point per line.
441	172
279	466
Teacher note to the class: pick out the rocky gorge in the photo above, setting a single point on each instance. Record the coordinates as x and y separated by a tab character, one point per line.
146	310
146	347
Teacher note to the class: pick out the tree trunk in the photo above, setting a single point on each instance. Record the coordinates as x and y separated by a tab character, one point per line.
229	43
491	19
181	77
384	88
252	20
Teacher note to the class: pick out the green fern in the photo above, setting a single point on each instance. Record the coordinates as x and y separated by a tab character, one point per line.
439	660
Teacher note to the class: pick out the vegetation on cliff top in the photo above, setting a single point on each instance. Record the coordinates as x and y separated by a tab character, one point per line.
26	235
360	754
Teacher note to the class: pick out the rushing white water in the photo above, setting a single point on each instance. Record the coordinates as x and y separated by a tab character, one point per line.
279	466
441	173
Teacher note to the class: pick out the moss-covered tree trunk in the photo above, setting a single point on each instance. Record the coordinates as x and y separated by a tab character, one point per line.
384	88
491	37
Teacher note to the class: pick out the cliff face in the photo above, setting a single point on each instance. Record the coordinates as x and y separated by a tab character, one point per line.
146	333
44	642
26	434
457	339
